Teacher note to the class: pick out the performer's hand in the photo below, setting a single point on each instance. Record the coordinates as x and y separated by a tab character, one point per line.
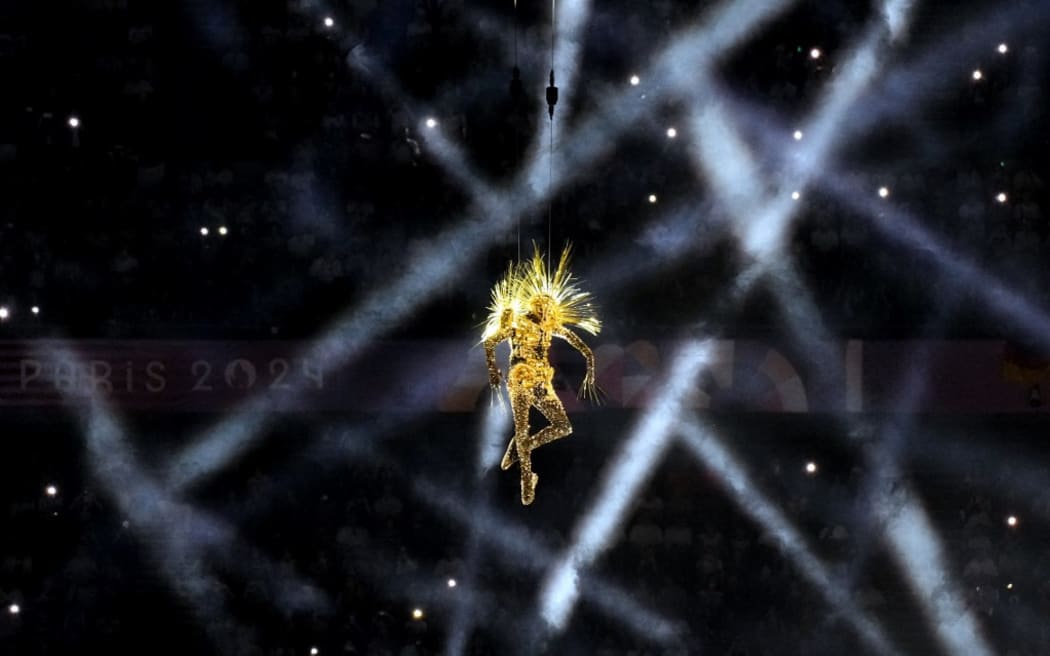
589	389
496	398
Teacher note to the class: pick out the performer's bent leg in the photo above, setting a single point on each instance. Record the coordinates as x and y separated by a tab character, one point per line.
520	403
528	478
551	408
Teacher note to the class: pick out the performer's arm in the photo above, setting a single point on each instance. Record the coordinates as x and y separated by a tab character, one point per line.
490	356
574	340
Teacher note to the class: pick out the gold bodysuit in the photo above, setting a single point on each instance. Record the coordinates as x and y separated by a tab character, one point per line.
529	308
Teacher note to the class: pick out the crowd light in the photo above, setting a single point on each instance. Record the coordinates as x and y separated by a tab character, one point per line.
652	198
795	195
51	490
74	122
811	467
328	22
4	313
1001	197
223	231
1009	586
798	135
978	75
635	80
815	53
1011	521
431	122
204	231
884	192
35	309
417	613
672	133
314	651
14	609
1003	49
452	583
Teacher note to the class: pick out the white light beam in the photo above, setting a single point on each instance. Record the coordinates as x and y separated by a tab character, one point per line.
714	457
623	479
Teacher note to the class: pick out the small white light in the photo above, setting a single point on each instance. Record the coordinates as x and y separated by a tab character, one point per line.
811	468
795	195
51	490
35	309
1003	49
1001	197
1011	521
672	133
74	122
4	313
417	613
328	22
883	192
798	135
978	75
815	53
14	609
432	122
652	198
452	583
223	231
1009	586
635	80
204	232
314	651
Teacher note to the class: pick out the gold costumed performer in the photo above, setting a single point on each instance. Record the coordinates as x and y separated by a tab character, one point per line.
530	306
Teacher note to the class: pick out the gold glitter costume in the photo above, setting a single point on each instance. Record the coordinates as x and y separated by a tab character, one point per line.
531	306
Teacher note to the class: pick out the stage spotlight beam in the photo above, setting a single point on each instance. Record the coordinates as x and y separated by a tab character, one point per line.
517	547
916	548
713	456
628	470
762	217
495	424
718	31
900	226
181	538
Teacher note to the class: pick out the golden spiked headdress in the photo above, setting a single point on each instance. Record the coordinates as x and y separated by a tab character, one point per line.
527	281
505	305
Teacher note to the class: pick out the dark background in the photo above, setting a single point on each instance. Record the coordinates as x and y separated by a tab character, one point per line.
248	116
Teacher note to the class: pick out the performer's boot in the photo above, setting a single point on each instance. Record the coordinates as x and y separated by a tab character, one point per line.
528	488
